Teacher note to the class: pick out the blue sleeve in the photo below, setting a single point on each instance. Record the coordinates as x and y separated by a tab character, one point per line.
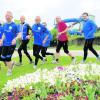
93	28
50	37
74	32
78	20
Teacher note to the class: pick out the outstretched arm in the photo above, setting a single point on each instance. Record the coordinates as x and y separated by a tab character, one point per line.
77	20
74	20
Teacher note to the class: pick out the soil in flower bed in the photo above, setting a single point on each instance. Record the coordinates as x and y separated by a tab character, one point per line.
76	90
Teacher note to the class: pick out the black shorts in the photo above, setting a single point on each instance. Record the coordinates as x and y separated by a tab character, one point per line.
7	52
36	49
63	44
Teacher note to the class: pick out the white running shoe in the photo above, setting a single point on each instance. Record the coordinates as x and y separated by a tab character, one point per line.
31	62
53	57
34	66
98	58
19	64
83	62
73	60
9	73
44	60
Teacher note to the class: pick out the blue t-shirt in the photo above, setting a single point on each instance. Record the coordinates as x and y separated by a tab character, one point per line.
24	28
10	31
47	33
38	30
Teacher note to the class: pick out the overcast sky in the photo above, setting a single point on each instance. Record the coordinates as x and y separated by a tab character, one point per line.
49	9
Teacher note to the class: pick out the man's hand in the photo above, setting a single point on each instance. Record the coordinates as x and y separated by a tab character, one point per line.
1	42
58	35
79	33
28	37
44	41
70	26
13	41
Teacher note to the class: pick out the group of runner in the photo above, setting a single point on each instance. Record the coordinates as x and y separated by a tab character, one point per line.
11	32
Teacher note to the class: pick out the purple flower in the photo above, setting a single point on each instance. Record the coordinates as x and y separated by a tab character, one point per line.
56	95
60	68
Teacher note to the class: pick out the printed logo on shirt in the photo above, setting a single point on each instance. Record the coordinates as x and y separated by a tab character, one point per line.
39	28
10	27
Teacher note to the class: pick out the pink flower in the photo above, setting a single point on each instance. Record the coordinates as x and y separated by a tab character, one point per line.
10	98
60	68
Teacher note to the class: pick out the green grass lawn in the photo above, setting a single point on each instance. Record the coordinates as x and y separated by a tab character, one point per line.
28	68
80	47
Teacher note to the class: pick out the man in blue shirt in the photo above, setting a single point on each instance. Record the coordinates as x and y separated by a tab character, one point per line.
89	29
37	29
10	32
24	28
46	39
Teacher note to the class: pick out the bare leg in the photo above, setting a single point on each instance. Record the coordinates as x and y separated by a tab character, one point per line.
10	67
69	54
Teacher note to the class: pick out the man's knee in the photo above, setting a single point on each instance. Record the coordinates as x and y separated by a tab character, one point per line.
91	48
85	49
66	51
57	50
19	50
25	51
34	53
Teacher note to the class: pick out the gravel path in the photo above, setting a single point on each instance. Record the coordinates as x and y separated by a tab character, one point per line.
74	52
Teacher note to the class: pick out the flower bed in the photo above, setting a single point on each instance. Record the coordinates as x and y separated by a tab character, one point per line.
78	82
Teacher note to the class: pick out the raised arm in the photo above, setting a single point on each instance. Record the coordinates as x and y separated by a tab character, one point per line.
76	20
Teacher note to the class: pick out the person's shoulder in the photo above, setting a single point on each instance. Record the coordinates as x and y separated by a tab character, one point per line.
14	24
62	23
41	25
4	24
27	24
33	25
90	21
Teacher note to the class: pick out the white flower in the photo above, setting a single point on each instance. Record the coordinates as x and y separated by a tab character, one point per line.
70	73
